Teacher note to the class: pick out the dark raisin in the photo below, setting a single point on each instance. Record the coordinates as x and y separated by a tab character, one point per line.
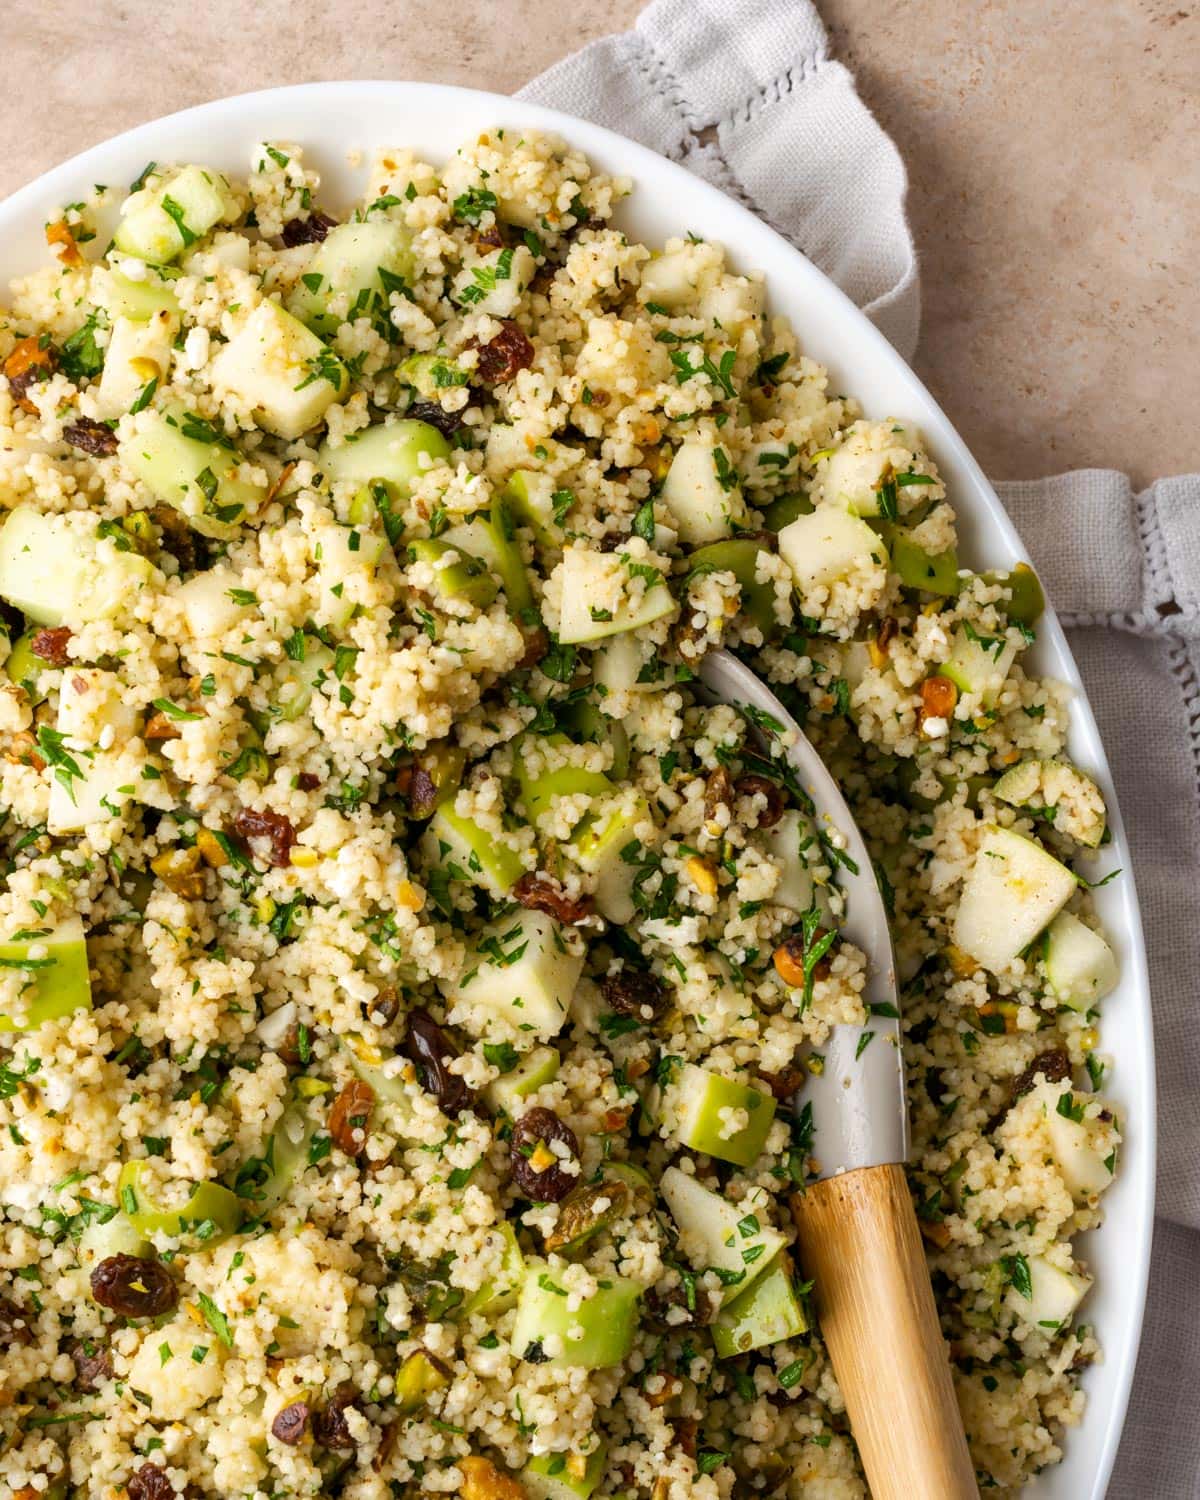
350	1116
660	1309
385	1007
430	1048
686	1431
537	645
290	1424
176	536
269	825
160	726
718	793
14	1323
290	1049
1054	1065
433	413
51	645
422	793
492	238
542	893
500	358
310	231
150	1482
96	438
133	1287
760	786
308	781
30	362
632	992
330	1427
93	1363
537	1169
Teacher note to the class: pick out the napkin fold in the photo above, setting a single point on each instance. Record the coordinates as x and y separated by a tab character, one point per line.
745	94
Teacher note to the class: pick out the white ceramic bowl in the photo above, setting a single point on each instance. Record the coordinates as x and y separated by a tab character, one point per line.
332	119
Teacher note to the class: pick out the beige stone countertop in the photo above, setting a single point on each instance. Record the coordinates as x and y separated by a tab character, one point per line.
1053	149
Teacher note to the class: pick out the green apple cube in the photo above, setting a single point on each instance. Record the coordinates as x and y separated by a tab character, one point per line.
931	573
212	1212
210	604
465	851
766	1313
701	1097
783	512
739	556
53	968
161	222
1064	793
499	1292
1080	966
352	273
57	573
491	536
538	1067
137	300
1012	892
979	664
416	1380
701	492
92	783
287	1153
588	576
522	974
540	788
671	279
1081	1148
457	574
280	371
103	1238
563	1476
616	667
186	462
530	496
25	668
790	841
138	351
828	546
393	455
599	847
729	1237
593	1336
1026	601
389	1077
346	556
431	374
1055	1294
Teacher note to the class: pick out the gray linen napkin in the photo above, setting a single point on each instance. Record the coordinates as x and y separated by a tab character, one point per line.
743	93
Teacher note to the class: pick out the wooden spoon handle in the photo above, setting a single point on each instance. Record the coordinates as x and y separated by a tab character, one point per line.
859	1242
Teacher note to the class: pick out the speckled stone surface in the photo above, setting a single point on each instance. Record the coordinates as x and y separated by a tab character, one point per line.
1054	152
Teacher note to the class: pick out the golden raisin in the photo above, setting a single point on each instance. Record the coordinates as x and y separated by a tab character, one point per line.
59	233
938	697
482	1480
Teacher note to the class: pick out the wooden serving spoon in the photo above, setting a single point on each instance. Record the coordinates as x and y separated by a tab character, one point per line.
857	1230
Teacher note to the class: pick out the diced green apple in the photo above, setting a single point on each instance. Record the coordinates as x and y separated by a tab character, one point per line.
53	967
346	275
1013	891
137	300
211	1211
299	680
531	497
280	371
538	1067
25	667
1055	1295
828	546
96	723
490	537
393	454
540	788
598	849
714	1232
1027	601
209	601
563	1476
765	1313
522	973
587	575
162	222
597	1334
57	574
138	352
346	556
701	492
113	1236
930	572
390	1078
739	556
1063	792
701	1097
499	1292
670	280
979	664
457	575
785	510
1081	1147
790	841
471	853
185	462
1080	966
